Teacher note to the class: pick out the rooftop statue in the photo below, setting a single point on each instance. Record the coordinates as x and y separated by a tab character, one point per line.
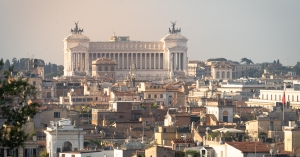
174	30
76	30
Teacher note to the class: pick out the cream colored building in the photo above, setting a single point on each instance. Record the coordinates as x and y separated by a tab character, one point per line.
165	134
104	69
240	69
222	71
158	92
268	98
158	151
291	136
255	127
163	58
63	136
192	68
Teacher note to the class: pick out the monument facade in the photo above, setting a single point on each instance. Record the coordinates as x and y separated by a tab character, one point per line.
153	60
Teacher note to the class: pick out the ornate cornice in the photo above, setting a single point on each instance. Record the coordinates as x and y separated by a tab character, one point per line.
126	46
79	48
178	48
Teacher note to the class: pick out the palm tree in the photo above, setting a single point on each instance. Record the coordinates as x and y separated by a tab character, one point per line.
247	61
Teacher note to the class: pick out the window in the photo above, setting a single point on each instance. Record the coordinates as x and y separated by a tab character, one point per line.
271	97
228	74
161	96
149	95
106	68
155	96
30	152
34	83
99	68
121	117
112	68
12	152
218	75
56	114
223	74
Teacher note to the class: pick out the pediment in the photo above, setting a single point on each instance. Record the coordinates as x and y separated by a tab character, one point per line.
79	48
178	48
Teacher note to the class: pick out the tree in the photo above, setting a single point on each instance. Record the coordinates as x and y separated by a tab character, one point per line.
217	59
247	61
252	73
43	153
15	108
7	64
95	143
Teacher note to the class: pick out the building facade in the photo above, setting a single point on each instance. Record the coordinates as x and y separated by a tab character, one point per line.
163	58
63	136
240	69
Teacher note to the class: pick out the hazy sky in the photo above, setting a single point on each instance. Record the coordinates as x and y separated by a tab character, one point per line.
261	30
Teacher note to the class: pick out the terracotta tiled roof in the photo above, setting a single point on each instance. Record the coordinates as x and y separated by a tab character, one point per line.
189	140
41	143
171	88
42	108
250	147
180	114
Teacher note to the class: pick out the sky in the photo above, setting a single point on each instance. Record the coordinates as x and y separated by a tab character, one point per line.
260	30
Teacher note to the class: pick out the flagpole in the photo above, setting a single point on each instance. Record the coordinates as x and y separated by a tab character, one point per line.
283	101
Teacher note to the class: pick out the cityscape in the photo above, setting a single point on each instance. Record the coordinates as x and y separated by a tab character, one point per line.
125	97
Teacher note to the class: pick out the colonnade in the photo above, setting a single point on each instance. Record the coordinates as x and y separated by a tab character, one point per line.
177	60
142	60
78	62
152	61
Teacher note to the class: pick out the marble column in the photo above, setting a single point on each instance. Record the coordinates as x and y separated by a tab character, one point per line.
126	62
72	62
154	57
145	60
150	64
180	61
159	61
80	63
123	61
136	60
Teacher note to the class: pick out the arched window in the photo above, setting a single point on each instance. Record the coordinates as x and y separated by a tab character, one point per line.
99	68
106	68
218	75
228	74
223	74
